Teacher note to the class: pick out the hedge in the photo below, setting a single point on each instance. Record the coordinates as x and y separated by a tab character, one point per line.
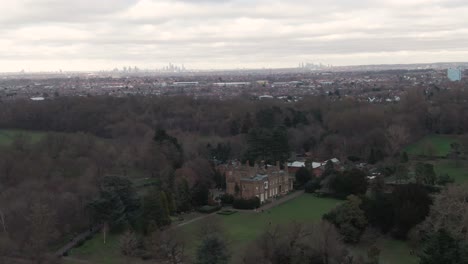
251	203
227	199
226	212
208	209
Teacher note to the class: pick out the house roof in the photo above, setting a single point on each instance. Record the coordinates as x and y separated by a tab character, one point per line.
316	165
296	164
258	177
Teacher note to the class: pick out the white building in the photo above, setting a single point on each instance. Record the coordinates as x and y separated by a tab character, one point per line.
454	74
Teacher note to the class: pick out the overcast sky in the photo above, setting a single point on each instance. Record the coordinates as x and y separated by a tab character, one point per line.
213	34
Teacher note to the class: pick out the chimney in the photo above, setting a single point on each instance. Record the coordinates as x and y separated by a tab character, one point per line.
278	165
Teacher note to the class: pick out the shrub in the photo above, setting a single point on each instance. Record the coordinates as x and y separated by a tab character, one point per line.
227	199
312	185
251	203
208	209
226	212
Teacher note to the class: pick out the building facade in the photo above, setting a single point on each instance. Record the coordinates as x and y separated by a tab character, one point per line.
264	182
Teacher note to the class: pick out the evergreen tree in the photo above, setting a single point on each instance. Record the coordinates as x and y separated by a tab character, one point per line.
117	204
302	176
165	204
183	198
404	157
155	211
200	194
171	203
443	248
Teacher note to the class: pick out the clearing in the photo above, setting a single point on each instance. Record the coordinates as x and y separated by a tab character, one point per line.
432	145
7	136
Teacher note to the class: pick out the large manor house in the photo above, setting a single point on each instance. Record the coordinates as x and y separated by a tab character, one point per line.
262	181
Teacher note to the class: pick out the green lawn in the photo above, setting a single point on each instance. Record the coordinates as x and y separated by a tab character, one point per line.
242	228
440	145
8	135
457	171
96	251
391	251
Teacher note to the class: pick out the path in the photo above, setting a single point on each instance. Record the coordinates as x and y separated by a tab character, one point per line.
265	207
282	200
75	260
274	203
76	240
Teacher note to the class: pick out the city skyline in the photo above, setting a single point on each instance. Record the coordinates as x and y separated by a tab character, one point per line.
49	35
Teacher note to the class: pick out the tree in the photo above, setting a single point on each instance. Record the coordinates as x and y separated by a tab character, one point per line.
404	157
269	145
296	243
379	211
349	182
166	247
200	194
169	147
171	204
396	136
456	152
411	205
425	173
373	255
445	179
155	211
213	250
449	213
302	176
401	173
349	218
313	185
183	198
441	247
130	245
165	203
42	231
220	179
117	204
329	169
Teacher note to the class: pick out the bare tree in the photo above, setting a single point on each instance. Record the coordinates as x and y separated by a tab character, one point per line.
396	136
2	219
167	247
297	243
449	212
129	245
42	231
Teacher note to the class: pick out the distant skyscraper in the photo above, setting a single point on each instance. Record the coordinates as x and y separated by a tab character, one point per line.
454	75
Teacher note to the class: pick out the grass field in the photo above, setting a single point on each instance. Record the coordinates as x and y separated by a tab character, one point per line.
439	143
457	171
391	251
7	136
242	228
96	251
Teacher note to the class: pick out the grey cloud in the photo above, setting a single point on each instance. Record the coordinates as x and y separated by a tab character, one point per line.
228	32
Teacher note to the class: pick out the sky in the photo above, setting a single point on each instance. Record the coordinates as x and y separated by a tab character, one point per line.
49	35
